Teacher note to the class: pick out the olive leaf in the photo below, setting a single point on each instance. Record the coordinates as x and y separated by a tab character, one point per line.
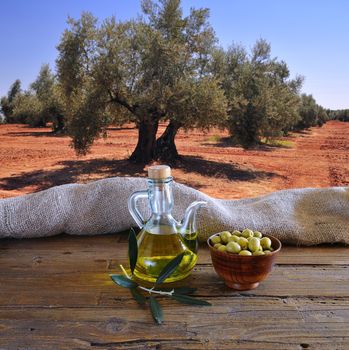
184	290
156	310
169	268
185	299
140	298
123	281
132	249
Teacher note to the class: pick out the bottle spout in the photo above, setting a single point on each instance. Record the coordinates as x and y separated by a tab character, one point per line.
188	223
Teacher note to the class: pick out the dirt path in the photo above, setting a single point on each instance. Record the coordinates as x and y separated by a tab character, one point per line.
33	159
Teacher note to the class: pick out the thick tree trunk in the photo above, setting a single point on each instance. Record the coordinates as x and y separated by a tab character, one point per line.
145	149
58	125
166	149
40	123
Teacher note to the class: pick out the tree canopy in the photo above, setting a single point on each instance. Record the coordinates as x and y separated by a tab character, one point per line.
152	69
39	104
7	102
162	67
262	99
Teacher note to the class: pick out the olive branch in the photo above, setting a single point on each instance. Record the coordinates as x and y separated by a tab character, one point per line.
180	294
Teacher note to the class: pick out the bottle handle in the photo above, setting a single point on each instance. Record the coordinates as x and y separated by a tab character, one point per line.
132	207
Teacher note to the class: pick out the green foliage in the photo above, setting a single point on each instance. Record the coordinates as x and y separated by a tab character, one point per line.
140	298
198	104
340	114
123	281
43	84
322	116
186	299
169	269
145	70
47	93
262	100
82	121
5	108
156	310
38	105
7	102
86	102
28	109
311	114
15	89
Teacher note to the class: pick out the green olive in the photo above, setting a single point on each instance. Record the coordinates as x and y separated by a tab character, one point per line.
258	252
257	234
216	239
233	238
247	233
225	236
222	248
267	251
233	247
236	233
265	242
254	244
243	242
245	252
217	245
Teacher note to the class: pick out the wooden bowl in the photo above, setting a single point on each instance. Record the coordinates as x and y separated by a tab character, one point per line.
243	272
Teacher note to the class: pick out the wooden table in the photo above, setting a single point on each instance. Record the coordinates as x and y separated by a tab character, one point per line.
56	294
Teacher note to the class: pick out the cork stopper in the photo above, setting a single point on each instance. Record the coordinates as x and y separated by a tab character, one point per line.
159	172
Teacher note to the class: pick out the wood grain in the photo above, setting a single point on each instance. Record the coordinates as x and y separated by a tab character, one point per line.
55	293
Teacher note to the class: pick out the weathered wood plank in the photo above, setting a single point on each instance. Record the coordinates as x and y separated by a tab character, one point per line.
55	293
234	322
73	252
81	288
94	261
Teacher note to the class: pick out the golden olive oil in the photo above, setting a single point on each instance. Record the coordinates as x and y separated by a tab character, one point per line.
156	250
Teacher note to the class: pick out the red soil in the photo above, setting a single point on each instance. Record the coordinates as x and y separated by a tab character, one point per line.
34	159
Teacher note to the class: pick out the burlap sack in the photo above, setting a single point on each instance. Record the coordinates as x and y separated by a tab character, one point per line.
301	216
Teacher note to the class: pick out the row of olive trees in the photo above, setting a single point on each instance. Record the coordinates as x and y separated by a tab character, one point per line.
310	113
164	66
40	104
339	114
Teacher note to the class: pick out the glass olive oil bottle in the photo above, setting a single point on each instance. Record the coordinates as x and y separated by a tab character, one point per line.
162	238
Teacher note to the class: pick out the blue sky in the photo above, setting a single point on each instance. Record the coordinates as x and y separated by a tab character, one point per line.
312	36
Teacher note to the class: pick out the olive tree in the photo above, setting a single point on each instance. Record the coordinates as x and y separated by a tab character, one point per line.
46	91
311	114
7	102
262	100
340	114
28	109
39	104
155	68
